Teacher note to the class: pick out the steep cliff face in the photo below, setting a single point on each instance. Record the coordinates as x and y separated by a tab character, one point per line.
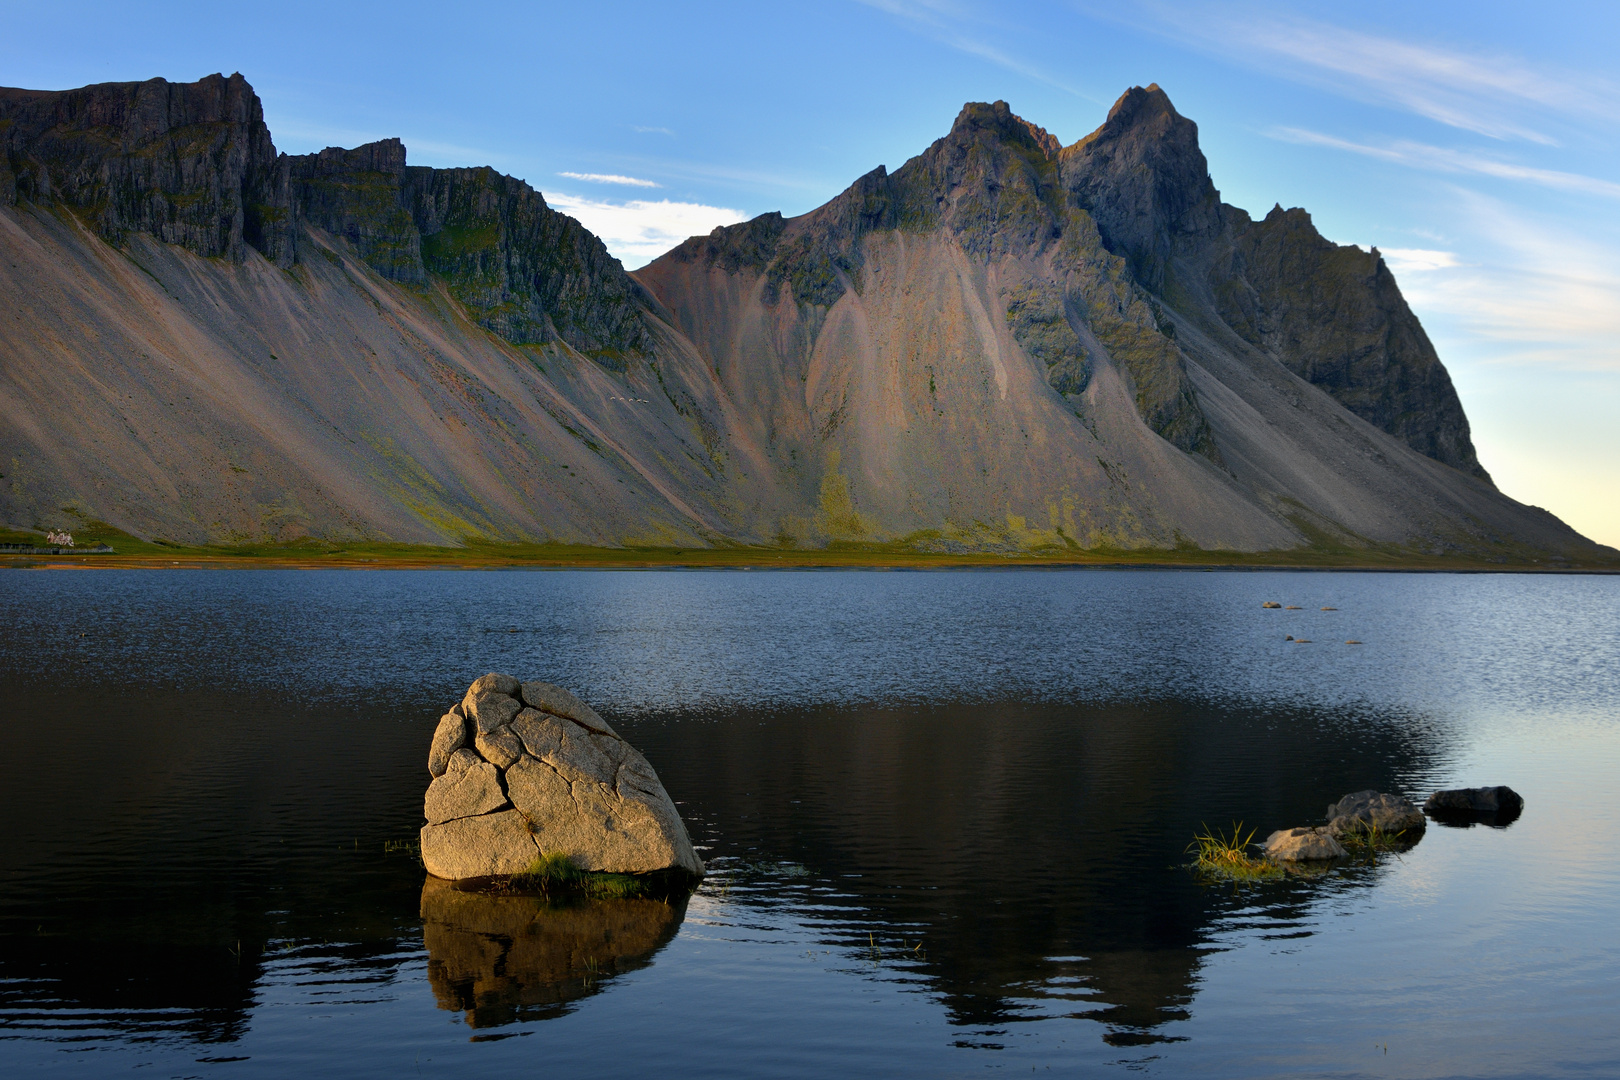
189	163
523	271
1002	344
193	164
1333	315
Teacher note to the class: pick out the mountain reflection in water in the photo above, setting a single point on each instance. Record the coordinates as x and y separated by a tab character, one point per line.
1038	850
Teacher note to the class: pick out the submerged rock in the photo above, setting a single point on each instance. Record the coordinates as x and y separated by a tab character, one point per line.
1365	810
1303	845
545	775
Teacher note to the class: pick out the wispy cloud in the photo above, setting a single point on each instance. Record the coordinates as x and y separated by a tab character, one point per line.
640	230
1535	292
609	178
651	130
1418	260
1441	159
1492	94
963	27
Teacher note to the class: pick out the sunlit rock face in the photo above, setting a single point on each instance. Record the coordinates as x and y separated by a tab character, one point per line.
1003	344
524	771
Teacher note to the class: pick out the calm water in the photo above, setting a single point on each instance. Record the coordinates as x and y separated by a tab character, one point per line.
945	816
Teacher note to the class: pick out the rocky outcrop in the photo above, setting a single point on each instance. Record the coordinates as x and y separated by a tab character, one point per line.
189	163
1316	844
193	164
1364	811
525	770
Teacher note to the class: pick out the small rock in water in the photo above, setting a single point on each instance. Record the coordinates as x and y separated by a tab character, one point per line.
1499	805
1365	810
1290	637
1303	845
1302	641
1330	609
1293	607
1271	604
1352	642
1485	799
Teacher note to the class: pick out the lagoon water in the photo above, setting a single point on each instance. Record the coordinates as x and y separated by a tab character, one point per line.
945	816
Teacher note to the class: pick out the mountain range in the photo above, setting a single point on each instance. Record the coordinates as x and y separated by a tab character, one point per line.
1005	344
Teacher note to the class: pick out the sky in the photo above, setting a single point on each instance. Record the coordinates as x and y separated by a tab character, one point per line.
1475	144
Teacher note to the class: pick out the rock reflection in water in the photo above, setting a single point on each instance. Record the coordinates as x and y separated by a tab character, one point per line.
502	957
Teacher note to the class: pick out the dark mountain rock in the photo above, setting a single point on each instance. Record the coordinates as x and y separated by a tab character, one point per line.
1145	182
193	164
1334	316
189	163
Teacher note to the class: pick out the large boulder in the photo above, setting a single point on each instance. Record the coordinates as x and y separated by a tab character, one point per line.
524	770
1303	845
1366	810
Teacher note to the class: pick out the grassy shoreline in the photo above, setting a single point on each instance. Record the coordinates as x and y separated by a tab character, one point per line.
560	557
130	552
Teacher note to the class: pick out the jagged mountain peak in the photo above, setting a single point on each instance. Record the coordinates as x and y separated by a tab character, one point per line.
1142	176
998	119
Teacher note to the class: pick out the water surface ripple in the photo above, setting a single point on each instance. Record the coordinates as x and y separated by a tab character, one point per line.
945	814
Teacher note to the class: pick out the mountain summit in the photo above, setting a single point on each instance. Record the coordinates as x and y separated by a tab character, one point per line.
1005	343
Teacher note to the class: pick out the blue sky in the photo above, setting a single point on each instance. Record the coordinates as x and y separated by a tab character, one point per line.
1474	143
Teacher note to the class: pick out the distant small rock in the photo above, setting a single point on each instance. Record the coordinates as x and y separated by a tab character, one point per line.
1491	800
1499	805
1303	845
1352	641
1330	609
1365	810
1293	607
1271	604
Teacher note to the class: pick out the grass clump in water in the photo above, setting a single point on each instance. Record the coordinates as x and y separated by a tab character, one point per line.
558	874
1227	857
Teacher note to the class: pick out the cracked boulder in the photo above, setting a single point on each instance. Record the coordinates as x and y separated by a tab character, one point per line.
525	770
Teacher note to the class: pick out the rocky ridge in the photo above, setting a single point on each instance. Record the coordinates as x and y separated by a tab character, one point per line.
1004	344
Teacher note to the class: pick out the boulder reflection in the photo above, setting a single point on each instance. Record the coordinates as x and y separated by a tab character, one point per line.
502	957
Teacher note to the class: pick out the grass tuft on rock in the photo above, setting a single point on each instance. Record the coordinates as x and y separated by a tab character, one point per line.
1227	857
558	874
1369	840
